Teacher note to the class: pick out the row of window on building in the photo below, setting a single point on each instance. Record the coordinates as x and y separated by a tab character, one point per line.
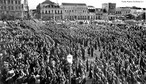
74	11
82	17
10	7
10	1
50	6
122	12
52	12
74	7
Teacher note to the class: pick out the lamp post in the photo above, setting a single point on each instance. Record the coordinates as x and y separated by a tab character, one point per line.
69	59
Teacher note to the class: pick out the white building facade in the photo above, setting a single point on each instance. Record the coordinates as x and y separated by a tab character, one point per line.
136	12
99	13
11	8
50	10
75	11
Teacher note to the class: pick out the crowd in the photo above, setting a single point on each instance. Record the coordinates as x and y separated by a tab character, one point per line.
34	53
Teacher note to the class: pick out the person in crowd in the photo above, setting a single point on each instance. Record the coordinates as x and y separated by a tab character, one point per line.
28	57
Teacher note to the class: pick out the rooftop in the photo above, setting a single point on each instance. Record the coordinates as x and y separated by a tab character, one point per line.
91	6
48	2
80	4
108	3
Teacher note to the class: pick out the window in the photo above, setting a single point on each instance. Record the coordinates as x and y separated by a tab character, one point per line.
9	7
8	1
16	8
12	8
16	2
11	1
19	2
19	7
4	1
4	7
1	1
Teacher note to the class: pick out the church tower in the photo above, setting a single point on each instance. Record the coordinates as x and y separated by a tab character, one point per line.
25	5
25	9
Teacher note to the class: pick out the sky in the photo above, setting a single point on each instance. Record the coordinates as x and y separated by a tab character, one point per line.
95	3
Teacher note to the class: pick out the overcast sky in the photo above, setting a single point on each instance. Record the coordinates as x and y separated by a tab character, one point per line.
95	3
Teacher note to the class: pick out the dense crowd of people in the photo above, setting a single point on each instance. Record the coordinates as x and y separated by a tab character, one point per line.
35	53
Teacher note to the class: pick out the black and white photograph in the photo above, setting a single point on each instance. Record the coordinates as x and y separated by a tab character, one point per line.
72	41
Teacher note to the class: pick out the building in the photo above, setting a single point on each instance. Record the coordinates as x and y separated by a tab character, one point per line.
121	11
25	9
49	10
75	11
110	8
99	13
91	9
11	8
38	11
91	13
136	11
